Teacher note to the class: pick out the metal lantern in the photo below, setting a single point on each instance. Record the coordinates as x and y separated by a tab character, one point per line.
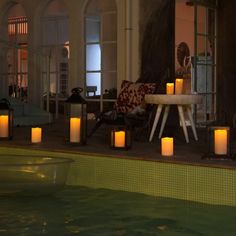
76	118
219	145
120	138
6	119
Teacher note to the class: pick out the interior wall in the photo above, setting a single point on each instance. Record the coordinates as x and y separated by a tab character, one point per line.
226	81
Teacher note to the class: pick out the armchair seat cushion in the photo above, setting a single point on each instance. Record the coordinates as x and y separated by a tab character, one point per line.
132	95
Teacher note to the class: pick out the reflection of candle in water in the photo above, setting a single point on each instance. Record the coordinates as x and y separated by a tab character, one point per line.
170	88
74	130
119	138
167	146
178	86
36	135
220	141
4	133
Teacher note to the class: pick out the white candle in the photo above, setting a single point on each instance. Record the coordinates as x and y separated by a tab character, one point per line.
4	132
220	141
74	130
167	146
36	135
170	88
119	138
178	86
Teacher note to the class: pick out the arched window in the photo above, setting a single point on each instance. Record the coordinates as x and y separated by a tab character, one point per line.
17	52
101	52
55	48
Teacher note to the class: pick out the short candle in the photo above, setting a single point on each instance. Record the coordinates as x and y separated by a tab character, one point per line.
178	86
167	146
119	138
74	130
220	141
170	88
4	132
36	135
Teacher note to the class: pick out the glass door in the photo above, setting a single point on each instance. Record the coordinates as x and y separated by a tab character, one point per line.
204	60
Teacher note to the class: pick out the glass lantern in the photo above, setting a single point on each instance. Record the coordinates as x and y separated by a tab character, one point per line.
120	138
6	119
76	118
219	145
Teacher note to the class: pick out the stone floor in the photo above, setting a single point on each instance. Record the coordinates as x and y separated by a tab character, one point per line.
99	143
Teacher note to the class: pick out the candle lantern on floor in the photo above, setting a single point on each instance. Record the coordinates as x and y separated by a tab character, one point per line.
219	145
167	146
121	138
76	118
6	119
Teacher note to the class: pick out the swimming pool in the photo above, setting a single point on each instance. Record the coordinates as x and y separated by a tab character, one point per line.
88	212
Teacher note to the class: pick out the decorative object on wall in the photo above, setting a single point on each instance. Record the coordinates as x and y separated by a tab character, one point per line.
76	118
120	138
219	143
6	119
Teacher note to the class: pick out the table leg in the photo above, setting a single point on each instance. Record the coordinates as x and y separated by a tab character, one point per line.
167	109
181	116
157	116
192	122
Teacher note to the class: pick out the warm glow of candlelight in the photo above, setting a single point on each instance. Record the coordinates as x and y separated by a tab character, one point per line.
170	88
36	135
119	138
178	86
220	141
167	146
4	132
74	130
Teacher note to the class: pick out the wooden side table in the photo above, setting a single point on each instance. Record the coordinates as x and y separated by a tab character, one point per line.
181	101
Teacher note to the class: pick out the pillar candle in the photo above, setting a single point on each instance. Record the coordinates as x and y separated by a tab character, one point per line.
36	135
167	146
74	130
178	86
170	88
220	141
119	138
4	132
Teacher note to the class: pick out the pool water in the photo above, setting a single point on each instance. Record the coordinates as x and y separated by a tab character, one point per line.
87	212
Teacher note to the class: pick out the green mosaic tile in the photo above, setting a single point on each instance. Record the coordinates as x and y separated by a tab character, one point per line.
194	183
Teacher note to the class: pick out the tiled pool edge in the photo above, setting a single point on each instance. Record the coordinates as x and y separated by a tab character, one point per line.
187	182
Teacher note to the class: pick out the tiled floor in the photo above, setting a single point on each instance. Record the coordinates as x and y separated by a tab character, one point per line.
53	139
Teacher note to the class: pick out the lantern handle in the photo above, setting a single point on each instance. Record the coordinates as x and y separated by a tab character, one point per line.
4	100
77	90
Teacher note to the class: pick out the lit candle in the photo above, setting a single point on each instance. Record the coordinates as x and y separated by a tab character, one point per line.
167	146
170	88
119	138
4	133
220	141
36	135
178	86
74	130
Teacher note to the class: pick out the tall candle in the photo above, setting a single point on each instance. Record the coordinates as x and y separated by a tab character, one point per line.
170	88
167	146
220	141
178	86
119	138
74	130
36	135
4	132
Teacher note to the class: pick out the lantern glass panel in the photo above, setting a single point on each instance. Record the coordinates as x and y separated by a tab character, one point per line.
120	138
219	144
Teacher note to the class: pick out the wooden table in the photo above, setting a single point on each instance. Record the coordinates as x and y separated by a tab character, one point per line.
182	101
